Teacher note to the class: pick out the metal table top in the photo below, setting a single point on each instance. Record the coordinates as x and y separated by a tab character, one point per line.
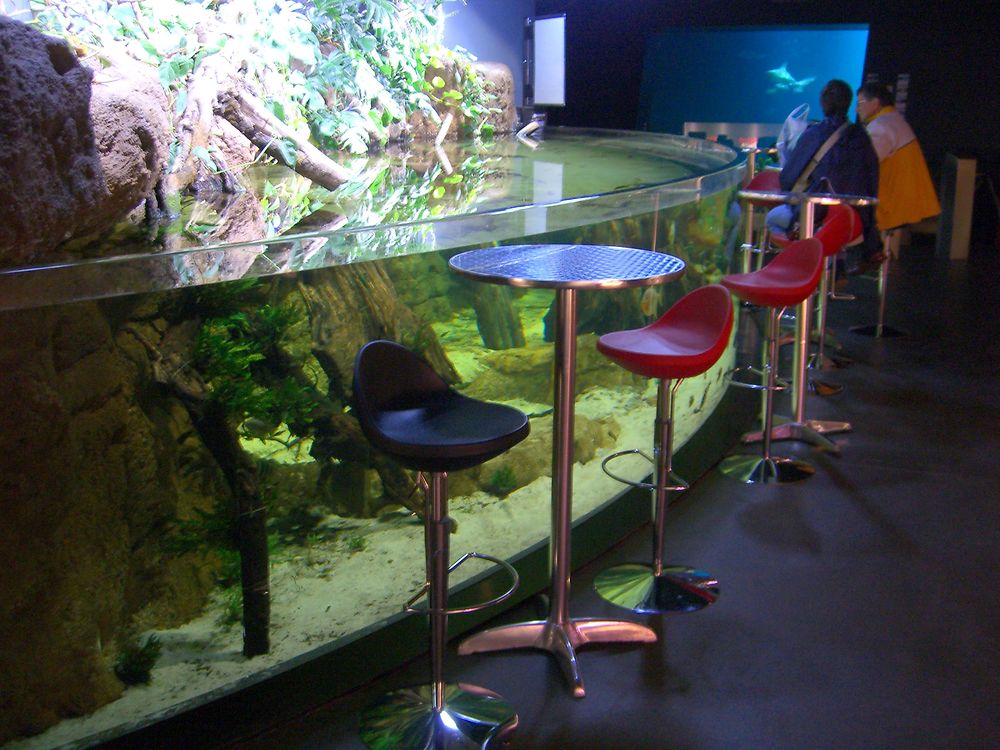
568	266
822	199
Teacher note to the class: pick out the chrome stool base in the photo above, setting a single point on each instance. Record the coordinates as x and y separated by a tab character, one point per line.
638	588
753	469
471	718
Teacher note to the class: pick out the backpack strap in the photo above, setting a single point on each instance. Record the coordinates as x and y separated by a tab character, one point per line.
806	175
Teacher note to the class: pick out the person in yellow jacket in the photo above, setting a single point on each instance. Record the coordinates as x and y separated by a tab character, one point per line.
905	191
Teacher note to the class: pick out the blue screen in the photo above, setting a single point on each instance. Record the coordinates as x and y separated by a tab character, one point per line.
746	74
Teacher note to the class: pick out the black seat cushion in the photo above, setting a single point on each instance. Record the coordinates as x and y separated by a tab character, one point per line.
409	412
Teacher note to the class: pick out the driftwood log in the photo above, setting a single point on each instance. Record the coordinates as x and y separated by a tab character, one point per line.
498	322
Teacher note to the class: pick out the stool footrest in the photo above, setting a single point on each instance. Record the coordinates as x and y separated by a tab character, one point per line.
779	383
841	296
515	582
681	484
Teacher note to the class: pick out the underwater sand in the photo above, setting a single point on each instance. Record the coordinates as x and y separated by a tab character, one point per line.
327	591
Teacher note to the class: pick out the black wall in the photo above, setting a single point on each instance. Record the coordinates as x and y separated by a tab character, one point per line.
950	50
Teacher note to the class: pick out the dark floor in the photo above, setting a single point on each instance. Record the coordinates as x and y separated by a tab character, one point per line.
859	608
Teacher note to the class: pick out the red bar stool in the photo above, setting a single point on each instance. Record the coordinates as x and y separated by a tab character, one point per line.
407	411
767	180
787	280
686	341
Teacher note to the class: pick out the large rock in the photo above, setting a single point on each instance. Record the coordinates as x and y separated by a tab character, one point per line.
94	466
50	171
499	84
78	150
128	109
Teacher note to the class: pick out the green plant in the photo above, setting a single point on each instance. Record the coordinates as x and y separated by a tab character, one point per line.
502	482
236	354
343	69
136	660
355	544
232	607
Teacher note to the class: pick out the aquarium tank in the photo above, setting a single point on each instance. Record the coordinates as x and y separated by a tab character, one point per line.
744	74
191	509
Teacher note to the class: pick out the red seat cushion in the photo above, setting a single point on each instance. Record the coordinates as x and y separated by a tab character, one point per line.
687	339
841	227
767	180
787	280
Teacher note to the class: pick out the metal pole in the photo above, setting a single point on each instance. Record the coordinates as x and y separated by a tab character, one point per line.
663	451
438	530
562	453
883	277
801	357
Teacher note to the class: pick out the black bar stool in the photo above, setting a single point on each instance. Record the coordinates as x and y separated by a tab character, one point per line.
410	413
686	341
787	280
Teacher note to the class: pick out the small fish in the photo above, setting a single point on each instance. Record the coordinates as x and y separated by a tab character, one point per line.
782	80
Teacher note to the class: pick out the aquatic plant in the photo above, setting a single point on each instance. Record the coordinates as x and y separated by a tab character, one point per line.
232	353
356	543
232	607
502	482
135	663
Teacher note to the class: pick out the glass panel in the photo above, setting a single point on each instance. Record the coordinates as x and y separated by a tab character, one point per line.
156	423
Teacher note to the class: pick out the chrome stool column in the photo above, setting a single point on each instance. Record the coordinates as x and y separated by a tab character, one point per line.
686	341
841	228
406	410
880	329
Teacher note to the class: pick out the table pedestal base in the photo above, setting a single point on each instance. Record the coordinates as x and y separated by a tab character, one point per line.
561	639
810	431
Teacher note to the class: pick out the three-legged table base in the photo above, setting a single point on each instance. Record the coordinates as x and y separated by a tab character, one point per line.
810	431
561	639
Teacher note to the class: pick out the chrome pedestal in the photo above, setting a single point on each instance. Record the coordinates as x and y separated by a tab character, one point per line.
640	589
656	588
436	716
880	329
765	467
759	470
469	718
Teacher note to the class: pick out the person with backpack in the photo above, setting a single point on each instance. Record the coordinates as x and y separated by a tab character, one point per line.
832	156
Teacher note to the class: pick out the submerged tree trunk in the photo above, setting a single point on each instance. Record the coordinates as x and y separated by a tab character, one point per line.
497	320
251	524
170	367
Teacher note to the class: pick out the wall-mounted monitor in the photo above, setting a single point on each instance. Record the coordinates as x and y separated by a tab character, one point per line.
546	54
744	74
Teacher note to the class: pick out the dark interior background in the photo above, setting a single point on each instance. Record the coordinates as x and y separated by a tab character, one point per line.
950	50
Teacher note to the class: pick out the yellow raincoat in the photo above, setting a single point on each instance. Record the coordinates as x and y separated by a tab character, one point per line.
905	191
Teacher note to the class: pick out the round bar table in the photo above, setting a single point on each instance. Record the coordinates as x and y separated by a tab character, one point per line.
800	428
564	268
